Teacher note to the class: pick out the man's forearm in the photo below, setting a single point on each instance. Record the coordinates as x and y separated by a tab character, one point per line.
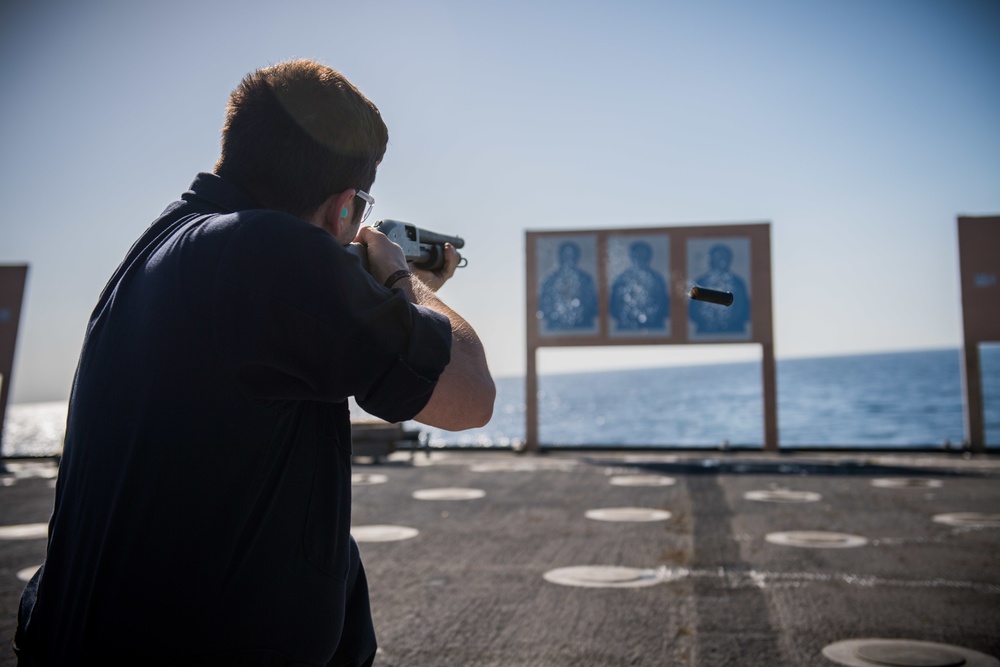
465	392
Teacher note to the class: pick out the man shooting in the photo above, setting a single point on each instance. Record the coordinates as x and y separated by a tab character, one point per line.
202	511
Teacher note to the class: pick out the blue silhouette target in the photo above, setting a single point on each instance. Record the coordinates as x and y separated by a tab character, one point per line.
639	293
720	264
567	297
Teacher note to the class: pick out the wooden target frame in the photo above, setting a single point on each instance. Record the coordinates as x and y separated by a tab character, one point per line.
575	295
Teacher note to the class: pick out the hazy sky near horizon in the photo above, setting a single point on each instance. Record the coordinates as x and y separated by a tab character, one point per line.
859	129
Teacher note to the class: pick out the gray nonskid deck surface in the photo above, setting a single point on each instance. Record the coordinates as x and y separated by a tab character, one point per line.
470	587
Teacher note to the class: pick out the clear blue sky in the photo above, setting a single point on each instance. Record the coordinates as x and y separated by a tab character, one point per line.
859	128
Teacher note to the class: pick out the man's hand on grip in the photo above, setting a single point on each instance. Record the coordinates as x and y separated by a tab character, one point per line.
384	256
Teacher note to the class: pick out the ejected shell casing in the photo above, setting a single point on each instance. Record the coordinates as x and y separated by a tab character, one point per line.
711	295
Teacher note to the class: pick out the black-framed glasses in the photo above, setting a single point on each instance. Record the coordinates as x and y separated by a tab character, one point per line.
369	203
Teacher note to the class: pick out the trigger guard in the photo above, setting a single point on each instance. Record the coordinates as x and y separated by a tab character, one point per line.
462	262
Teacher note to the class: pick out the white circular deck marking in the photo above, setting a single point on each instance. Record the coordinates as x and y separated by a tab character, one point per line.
969	519
363	478
904	653
642	480
815	539
783	496
603	576
377	533
627	514
652	458
906	483
448	494
27	573
27	531
527	465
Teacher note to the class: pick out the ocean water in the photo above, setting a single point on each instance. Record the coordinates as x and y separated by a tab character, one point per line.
898	400
895	400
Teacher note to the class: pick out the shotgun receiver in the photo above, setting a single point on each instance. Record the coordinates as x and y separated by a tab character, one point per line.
422	247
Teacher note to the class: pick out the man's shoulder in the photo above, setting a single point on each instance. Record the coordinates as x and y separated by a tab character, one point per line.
277	235
270	252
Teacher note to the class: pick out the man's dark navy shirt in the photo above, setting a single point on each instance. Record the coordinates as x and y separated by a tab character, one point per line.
203	505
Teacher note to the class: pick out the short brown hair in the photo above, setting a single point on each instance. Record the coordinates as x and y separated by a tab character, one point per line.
297	133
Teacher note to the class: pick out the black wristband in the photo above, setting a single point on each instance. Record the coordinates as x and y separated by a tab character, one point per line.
396	277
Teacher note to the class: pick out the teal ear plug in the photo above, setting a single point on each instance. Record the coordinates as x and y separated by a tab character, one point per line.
343	213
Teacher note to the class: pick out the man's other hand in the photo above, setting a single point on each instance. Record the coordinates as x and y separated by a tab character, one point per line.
435	279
